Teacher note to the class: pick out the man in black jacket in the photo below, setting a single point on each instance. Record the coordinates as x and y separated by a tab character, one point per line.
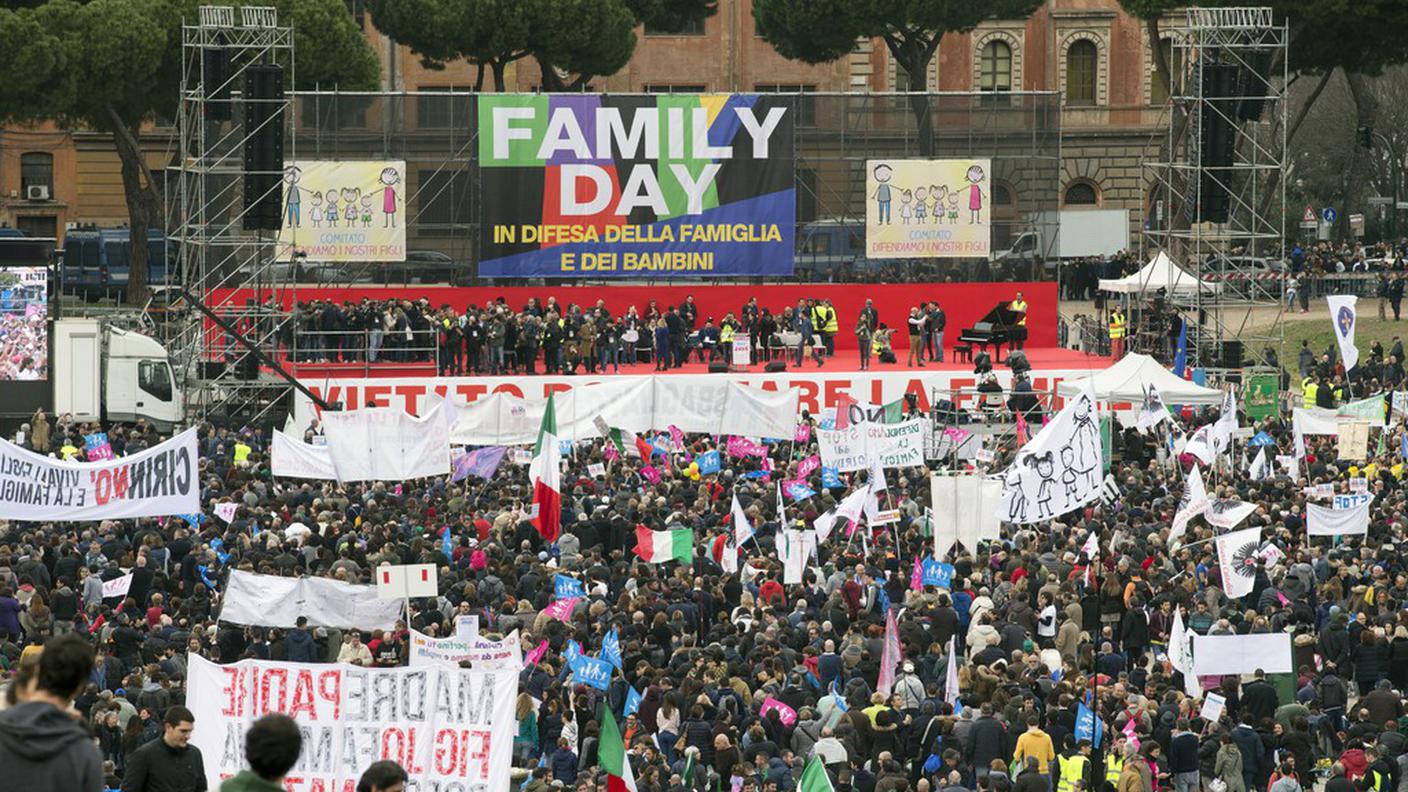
42	749
168	764
987	740
1259	698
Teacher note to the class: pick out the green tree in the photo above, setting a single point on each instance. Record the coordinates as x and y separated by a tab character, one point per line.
571	40
820	31
115	65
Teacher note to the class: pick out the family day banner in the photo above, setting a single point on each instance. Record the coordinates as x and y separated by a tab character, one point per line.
161	481
521	410
1059	470
480	653
928	208
344	211
694	185
450	728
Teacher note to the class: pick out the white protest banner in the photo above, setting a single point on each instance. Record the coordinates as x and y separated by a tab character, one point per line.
158	482
1359	485
479	652
1352	500
1347	521
596	469
387	445
117	587
896	445
1324	490
965	510
1237	559
467	627
226	510
1354	439
1221	655
448	727
290	457
274	601
1213	705
1059	470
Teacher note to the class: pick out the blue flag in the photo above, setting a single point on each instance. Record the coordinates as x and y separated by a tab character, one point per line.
830	478
837	699
1180	358
798	491
709	462
937	573
1403	446
591	671
447	544
564	586
1261	439
633	698
1088	727
611	649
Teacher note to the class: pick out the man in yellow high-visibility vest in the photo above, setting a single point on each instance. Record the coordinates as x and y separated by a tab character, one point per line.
1118	328
1019	337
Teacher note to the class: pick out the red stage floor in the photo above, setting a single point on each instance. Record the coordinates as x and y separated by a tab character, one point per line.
844	360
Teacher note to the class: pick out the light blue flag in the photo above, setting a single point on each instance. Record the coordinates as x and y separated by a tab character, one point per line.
611	649
591	671
447	544
565	586
709	462
830	478
632	701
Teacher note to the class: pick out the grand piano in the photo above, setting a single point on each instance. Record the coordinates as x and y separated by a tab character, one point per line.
997	327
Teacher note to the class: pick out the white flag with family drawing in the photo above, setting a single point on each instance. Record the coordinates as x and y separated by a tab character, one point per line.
1059	470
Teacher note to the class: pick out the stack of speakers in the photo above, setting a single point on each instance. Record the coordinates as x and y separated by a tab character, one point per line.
1232	93
263	147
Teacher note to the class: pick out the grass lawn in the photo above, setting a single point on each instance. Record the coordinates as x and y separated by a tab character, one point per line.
1315	327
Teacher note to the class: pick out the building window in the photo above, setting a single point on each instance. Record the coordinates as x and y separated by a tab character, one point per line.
437	109
667	89
38	226
995	67
442	198
694	27
1001	195
1173	56
36	170
1082	72
805	114
1082	193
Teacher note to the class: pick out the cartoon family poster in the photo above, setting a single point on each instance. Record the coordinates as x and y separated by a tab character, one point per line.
938	208
338	210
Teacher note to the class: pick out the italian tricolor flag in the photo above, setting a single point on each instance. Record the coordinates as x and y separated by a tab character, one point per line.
546	475
628	443
611	755
657	547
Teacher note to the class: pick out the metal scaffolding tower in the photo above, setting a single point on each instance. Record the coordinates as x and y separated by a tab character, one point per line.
1226	144
217	346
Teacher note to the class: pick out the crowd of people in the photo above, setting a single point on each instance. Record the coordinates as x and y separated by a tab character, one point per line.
550	337
1042	630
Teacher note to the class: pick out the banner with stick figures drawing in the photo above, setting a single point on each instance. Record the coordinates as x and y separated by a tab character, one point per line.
344	210
938	208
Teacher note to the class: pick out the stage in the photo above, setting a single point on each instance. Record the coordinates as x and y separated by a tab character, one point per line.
407	386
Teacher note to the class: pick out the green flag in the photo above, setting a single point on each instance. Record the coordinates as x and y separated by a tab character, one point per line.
814	777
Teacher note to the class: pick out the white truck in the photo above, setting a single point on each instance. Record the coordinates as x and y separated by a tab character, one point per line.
104	372
1082	233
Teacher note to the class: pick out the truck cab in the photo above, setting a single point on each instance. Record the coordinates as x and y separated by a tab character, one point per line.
107	372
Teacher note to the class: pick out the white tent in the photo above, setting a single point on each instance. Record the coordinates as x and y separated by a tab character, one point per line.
1125	382
1160	274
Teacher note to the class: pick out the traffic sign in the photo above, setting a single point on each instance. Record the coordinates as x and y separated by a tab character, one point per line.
1309	216
1328	214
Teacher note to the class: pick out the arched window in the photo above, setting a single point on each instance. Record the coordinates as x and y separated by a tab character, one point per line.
1001	195
1082	193
36	170
995	67
1082	72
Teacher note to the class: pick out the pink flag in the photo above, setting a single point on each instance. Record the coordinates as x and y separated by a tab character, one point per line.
890	655
677	437
957	435
916	576
786	714
651	473
535	655
806	466
1282	598
611	453
843	410
803	434
743	447
562	609
1023	433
